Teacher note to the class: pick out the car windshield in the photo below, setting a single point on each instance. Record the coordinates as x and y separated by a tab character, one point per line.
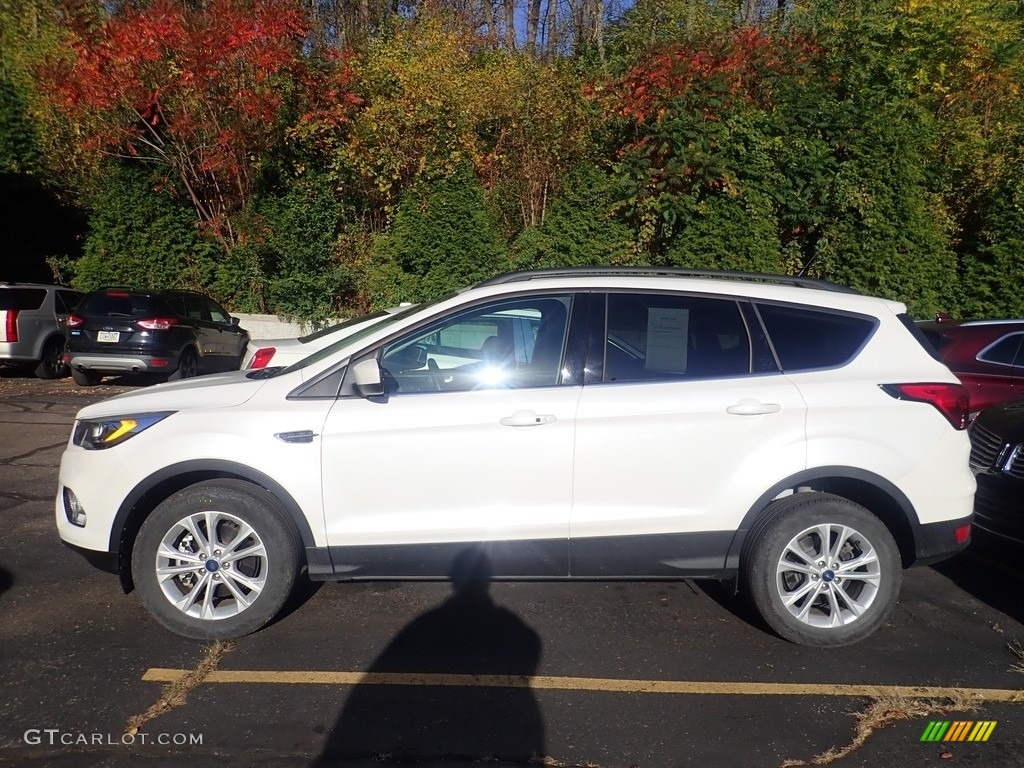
386	320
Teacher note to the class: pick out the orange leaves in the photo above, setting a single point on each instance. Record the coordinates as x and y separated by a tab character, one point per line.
195	87
740	65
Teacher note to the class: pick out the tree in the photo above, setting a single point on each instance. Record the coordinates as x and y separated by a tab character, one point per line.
141	239
193	90
442	239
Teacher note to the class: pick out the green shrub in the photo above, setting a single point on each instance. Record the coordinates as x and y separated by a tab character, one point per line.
442	238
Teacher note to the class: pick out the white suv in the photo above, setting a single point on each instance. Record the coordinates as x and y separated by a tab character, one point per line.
783	434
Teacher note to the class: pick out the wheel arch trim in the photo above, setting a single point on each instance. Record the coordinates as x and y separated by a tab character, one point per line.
204	469
809	477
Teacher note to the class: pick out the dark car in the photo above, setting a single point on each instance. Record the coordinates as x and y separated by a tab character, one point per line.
179	334
997	459
986	355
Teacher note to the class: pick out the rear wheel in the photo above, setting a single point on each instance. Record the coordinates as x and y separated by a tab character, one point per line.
85	378
217	560
52	365
188	366
823	571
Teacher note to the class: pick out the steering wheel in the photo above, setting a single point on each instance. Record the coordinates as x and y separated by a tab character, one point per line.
434	375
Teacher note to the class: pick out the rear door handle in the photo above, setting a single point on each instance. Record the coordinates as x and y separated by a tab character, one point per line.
753	408
527	418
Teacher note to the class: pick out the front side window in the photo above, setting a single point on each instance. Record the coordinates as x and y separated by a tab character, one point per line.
217	313
660	337
513	344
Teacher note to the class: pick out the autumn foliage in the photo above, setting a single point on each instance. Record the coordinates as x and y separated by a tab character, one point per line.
197	92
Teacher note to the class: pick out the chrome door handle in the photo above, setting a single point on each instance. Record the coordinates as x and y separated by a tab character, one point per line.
525	418
753	408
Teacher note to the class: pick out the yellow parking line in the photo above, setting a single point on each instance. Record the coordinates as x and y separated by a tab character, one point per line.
607	685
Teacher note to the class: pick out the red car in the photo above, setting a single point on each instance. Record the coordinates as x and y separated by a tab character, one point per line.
986	355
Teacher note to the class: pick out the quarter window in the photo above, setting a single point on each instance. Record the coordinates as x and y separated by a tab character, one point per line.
805	339
22	299
1006	351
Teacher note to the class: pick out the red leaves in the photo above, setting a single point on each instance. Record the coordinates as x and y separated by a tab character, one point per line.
741	65
197	87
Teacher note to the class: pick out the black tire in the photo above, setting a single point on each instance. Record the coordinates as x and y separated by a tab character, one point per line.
85	378
182	523
827	605
52	365
188	366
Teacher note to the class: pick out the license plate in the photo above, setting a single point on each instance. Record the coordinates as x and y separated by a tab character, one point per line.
108	336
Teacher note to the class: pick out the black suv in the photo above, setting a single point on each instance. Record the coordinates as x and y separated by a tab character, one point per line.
180	334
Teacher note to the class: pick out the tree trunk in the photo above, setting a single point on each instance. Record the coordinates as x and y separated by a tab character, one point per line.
550	32
488	13
532	19
510	24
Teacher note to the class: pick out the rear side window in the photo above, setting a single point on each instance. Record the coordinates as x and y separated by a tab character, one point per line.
805	339
652	337
22	298
123	305
67	301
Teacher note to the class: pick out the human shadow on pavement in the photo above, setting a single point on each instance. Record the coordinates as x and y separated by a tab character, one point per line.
6	580
426	698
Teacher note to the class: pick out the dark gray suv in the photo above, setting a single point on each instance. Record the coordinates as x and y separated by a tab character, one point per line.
178	334
32	323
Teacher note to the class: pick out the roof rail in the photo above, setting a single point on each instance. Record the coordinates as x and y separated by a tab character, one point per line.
760	277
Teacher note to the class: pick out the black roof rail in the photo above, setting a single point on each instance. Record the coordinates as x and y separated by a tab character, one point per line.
760	277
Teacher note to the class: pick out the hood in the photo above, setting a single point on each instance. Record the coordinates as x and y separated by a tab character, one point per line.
277	343
221	390
1005	421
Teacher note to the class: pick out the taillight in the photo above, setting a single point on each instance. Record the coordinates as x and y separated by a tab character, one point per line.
74	321
157	323
962	534
952	400
262	357
11	325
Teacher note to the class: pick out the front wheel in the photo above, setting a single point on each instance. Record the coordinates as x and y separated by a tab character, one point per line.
823	571
216	560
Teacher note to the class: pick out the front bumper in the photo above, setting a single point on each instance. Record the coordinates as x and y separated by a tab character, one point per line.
999	506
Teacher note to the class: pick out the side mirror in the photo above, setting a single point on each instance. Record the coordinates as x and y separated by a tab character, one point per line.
234	321
367	378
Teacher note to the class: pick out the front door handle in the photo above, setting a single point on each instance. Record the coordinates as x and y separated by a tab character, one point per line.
749	407
527	418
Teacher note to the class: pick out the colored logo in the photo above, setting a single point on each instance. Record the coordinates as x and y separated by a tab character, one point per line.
958	730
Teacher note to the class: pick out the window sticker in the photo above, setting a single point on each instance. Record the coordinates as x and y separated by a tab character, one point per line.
668	330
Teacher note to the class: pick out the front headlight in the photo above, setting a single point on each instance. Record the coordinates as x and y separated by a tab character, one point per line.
97	434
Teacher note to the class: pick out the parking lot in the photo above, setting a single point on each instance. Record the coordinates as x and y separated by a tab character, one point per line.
584	674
